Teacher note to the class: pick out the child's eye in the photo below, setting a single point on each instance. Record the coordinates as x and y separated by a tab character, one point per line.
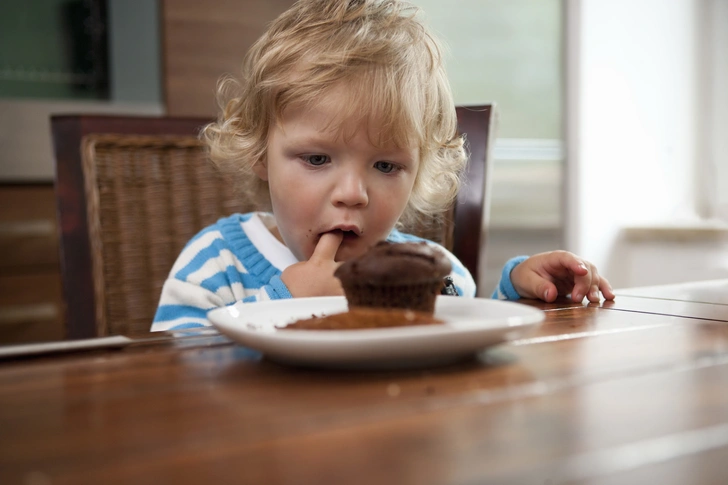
385	167
316	160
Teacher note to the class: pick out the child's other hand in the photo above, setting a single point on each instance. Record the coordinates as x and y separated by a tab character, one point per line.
315	277
548	275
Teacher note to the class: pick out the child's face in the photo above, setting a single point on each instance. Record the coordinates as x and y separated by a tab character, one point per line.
322	181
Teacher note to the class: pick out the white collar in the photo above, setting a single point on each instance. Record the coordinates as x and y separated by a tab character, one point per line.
258	230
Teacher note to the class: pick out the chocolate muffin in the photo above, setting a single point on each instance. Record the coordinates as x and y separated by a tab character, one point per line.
395	275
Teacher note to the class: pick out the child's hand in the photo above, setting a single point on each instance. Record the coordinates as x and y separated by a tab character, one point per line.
315	277
548	275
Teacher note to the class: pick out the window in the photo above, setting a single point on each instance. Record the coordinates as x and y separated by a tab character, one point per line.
510	53
54	49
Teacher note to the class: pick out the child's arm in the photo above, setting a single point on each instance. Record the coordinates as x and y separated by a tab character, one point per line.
547	275
209	274
184	304
315	277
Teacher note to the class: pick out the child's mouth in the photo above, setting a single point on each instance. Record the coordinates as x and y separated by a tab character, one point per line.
348	235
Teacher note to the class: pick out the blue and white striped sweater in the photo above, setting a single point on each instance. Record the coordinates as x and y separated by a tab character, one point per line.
238	259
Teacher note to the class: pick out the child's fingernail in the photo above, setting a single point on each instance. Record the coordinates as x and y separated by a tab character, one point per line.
546	295
582	266
577	297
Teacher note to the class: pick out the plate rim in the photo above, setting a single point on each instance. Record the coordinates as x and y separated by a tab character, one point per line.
380	348
530	317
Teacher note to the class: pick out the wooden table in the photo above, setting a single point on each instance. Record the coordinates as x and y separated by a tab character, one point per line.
634	391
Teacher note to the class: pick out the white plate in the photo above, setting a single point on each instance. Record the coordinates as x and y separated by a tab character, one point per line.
471	324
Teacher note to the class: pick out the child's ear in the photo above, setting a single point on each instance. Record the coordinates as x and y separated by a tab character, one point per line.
260	168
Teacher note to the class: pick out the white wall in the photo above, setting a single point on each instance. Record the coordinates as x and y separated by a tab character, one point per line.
633	135
26	148
715	38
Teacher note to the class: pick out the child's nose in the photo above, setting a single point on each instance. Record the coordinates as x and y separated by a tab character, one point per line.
350	190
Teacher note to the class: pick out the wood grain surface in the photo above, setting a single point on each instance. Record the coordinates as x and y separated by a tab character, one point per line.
597	395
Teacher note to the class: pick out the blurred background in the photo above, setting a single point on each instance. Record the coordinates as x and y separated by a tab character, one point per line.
611	138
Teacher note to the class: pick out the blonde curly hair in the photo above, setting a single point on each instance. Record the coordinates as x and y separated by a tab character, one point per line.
392	69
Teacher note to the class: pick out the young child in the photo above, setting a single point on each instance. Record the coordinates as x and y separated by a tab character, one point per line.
343	126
